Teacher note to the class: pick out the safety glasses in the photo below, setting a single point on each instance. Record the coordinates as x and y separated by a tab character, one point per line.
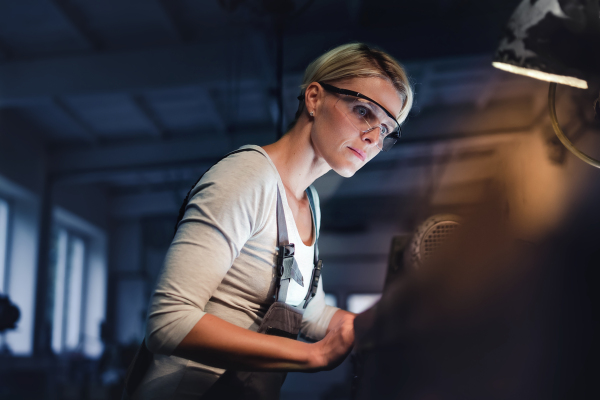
366	114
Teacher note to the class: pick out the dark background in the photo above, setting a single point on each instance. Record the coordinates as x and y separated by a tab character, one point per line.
110	110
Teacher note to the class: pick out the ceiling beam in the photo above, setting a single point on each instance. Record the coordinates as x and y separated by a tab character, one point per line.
150	154
77	20
147	69
88	132
155	154
173	12
131	72
142	105
434	125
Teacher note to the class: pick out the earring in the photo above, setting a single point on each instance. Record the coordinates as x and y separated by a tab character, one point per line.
312	114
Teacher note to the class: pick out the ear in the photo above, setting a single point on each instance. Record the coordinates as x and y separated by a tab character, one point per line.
312	97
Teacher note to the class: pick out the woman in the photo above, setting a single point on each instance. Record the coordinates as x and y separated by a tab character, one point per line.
219	277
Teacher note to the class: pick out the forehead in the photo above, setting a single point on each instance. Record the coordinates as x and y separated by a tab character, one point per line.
377	89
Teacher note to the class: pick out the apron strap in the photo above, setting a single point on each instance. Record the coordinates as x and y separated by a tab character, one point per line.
311	201
287	267
318	264
285	258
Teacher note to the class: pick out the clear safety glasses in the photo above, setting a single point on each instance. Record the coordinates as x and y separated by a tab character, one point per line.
366	114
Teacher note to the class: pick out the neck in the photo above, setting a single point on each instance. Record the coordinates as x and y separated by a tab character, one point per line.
296	160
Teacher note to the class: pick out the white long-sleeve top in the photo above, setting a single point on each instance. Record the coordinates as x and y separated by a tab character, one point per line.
222	261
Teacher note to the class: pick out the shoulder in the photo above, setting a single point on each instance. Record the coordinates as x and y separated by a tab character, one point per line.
243	168
246	161
246	170
239	188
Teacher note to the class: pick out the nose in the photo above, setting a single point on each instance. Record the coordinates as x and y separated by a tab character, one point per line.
371	136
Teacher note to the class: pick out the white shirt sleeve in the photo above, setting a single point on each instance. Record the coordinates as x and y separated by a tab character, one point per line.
223	213
317	315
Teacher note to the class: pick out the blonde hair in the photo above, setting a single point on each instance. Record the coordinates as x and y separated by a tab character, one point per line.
357	60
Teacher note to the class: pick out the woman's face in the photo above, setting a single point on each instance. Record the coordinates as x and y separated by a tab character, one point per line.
345	148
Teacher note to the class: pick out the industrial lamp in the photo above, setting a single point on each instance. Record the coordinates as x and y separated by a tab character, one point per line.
556	41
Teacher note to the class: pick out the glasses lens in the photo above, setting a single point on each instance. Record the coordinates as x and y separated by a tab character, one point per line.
388	142
366	116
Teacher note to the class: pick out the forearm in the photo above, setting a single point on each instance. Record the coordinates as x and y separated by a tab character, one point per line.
213	341
338	318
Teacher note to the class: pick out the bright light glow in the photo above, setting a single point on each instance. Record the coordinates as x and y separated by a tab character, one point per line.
544	76
76	264
94	297
3	240
358	303
331	300
59	291
85	288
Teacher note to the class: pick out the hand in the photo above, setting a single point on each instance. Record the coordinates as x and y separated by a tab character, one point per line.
338	342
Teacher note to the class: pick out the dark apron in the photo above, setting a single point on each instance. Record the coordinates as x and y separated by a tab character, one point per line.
280	319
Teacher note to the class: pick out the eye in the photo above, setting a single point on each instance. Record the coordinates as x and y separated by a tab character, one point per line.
361	111
384	130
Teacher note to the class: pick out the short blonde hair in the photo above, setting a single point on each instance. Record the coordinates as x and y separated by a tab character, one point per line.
357	60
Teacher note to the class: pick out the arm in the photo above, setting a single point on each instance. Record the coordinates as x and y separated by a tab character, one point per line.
215	342
332	326
341	317
339	340
225	209
218	343
210	236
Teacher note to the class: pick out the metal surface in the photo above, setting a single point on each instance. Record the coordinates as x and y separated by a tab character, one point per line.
429	237
435	236
552	40
561	136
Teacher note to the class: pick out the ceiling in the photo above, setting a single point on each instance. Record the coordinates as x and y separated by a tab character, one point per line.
142	96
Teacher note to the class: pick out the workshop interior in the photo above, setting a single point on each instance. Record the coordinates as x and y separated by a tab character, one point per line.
470	251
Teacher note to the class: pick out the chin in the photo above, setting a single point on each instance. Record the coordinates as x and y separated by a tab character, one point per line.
345	167
345	172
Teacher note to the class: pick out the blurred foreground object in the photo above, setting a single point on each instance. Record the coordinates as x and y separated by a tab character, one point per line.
555	41
429	237
408	252
488	316
9	314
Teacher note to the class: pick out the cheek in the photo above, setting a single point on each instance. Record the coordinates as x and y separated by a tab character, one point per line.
337	122
327	130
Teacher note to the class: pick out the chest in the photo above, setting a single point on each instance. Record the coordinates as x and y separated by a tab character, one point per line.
303	218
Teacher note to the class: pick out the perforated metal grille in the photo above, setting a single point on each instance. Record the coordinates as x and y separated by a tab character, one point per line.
435	236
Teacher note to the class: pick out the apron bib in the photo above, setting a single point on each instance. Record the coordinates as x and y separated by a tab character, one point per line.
280	320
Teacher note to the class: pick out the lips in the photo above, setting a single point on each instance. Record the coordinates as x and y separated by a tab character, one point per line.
359	153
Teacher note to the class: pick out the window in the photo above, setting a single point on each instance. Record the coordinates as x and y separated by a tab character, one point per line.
358	303
330	300
3	243
77	280
19	236
66	280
